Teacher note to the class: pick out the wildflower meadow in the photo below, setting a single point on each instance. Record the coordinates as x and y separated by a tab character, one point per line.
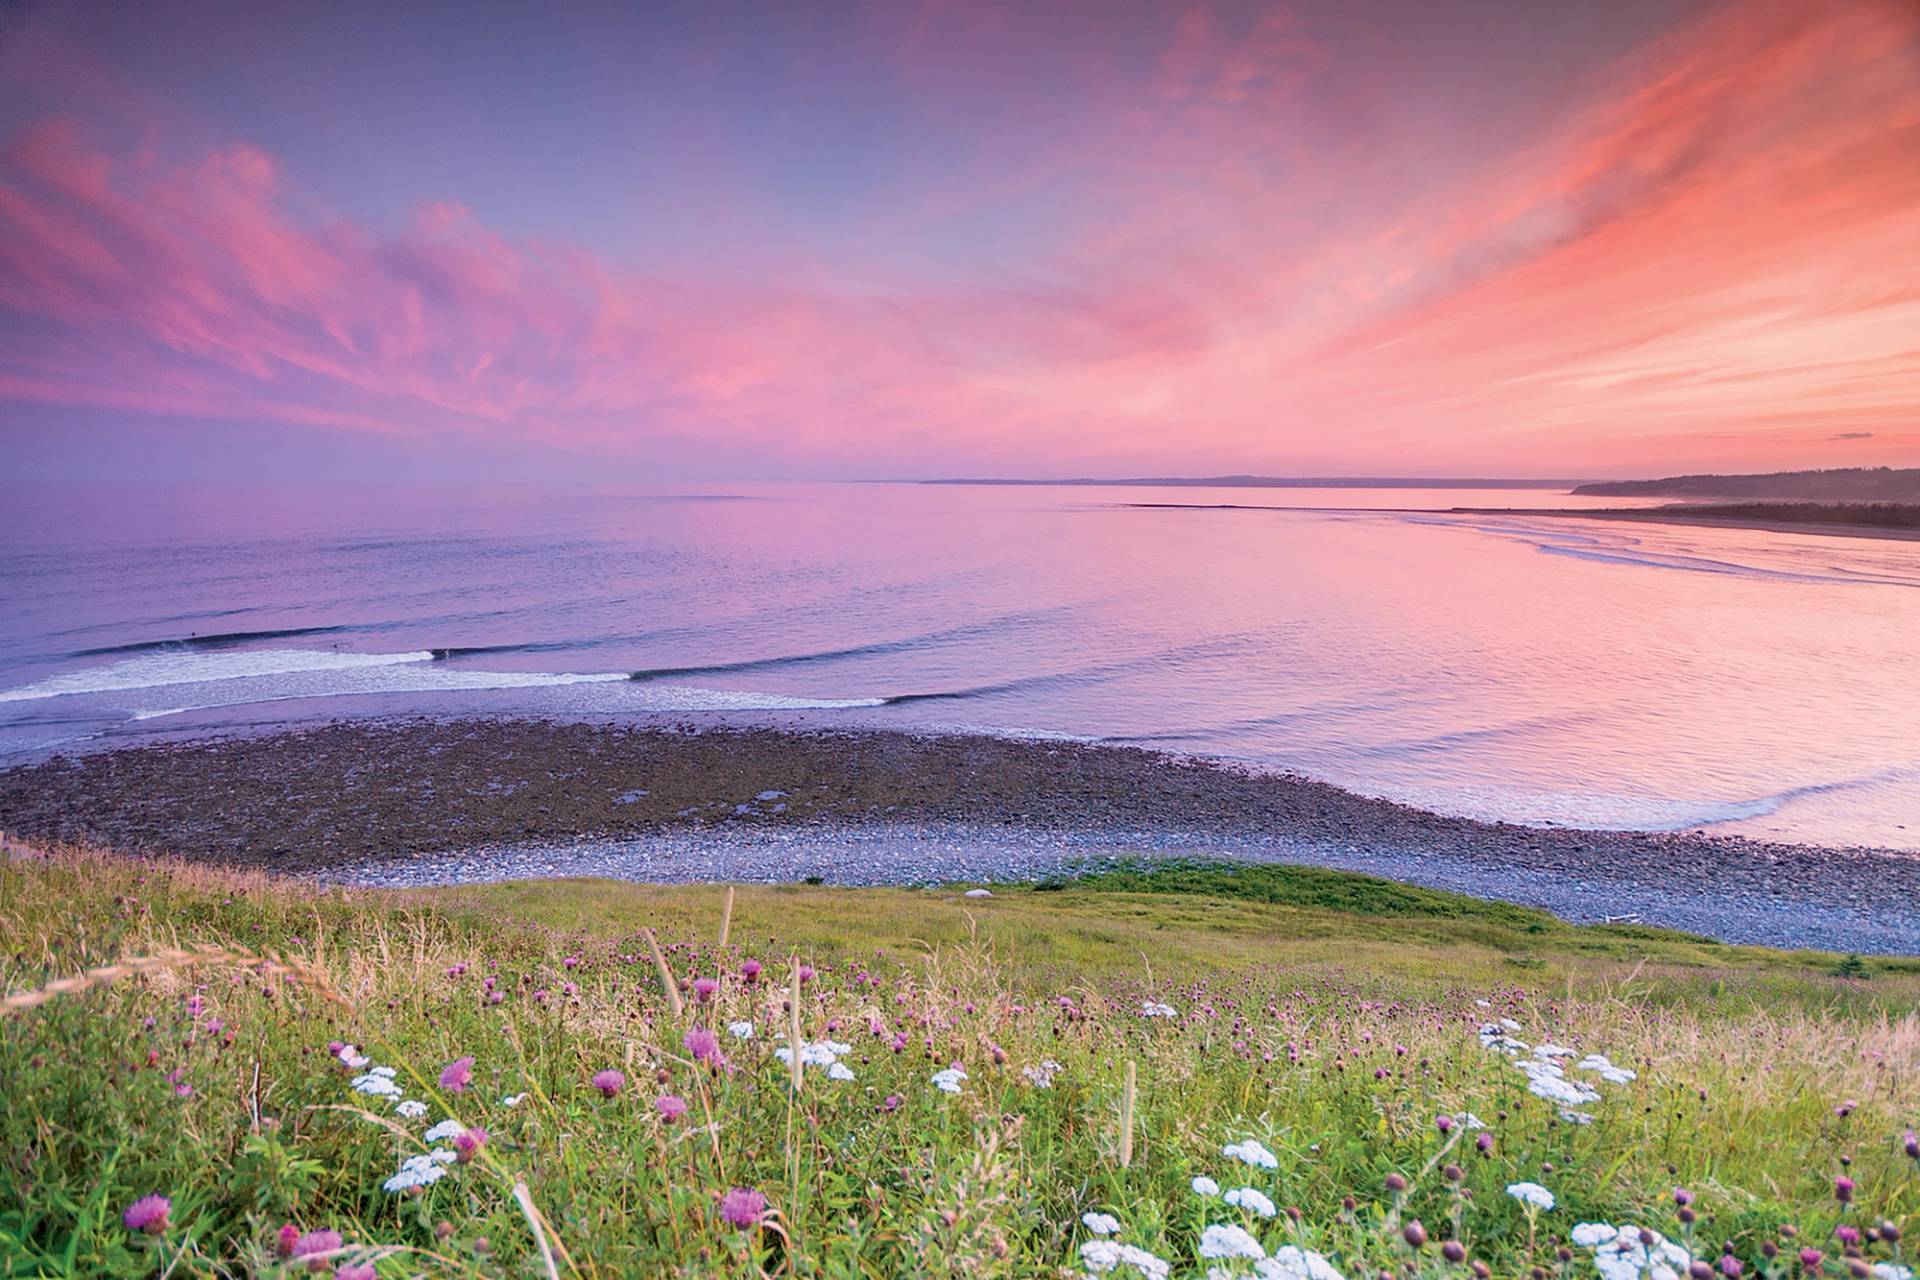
211	1074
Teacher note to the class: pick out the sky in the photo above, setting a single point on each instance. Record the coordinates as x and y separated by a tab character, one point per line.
277	241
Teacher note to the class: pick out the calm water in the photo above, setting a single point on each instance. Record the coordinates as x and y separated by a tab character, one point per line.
1509	667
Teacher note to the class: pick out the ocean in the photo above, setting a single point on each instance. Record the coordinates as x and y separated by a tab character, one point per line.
1509	667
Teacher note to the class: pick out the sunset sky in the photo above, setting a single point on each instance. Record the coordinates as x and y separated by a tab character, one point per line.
1437	237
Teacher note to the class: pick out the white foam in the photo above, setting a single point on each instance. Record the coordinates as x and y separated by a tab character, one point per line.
1590	810
647	698
153	671
686	698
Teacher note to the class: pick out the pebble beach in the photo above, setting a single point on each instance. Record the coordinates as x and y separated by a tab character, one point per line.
421	801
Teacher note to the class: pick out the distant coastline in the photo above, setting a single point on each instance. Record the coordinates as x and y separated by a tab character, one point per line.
1271	482
1898	521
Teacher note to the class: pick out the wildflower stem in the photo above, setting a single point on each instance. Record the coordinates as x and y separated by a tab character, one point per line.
666	975
525	1199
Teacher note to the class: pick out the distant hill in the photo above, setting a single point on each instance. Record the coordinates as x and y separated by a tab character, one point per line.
1286	482
1844	484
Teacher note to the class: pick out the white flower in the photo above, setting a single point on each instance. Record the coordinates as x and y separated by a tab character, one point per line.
513	1099
412	1108
1153	1009
1472	1121
818	1053
1494	1038
1291	1262
1889	1271
1544	1080
1509	1024
1531	1193
1205	1186
407	1179
1101	1224
1591	1235
388	1072
949	1081
1103	1256
1251	1152
420	1170
444	1130
1625	1257
1251	1200
1483	1004
378	1086
1575	1117
1224	1240
839	1071
1147	1264
740	1030
1041	1077
1552	1051
1598	1063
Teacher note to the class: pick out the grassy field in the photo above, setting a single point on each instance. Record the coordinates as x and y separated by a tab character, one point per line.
1184	1070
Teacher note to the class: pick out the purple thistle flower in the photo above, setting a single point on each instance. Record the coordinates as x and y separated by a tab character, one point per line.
356	1271
742	1207
702	1044
704	989
671	1107
750	970
1843	1190
285	1239
148	1214
457	1075
316	1246
608	1082
467	1143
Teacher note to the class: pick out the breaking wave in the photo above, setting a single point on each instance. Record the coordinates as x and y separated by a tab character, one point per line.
188	667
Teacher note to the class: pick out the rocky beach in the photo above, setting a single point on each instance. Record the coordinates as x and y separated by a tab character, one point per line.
425	801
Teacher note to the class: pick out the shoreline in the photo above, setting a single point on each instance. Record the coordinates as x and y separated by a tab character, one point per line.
1658	515
409	802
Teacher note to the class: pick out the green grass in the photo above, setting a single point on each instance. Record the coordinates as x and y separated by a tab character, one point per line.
1327	1015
